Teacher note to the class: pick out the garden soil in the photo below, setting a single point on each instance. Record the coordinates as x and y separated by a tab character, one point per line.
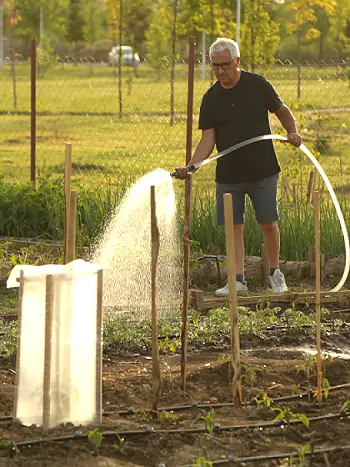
269	371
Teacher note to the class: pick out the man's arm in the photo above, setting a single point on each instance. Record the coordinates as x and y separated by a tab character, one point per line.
202	151
287	120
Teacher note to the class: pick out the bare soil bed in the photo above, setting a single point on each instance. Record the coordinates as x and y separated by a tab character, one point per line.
269	372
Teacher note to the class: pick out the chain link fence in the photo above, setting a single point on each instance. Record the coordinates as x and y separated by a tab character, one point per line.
123	126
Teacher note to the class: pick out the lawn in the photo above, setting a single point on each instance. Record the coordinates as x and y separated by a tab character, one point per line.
81	104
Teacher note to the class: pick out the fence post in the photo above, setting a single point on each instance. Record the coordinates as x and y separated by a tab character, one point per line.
33	112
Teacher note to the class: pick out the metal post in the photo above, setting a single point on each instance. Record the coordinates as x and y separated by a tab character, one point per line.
204	56
238	22
41	24
1	34
33	111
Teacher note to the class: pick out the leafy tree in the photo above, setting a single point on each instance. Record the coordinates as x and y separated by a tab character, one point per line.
55	18
76	21
93	17
260	35
158	36
137	20
339	33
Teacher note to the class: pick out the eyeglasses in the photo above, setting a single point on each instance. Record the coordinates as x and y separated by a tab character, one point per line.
224	66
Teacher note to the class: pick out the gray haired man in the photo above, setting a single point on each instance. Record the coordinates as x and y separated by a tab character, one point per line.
235	109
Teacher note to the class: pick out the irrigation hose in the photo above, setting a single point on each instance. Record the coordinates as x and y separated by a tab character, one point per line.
320	170
238	460
195	405
78	436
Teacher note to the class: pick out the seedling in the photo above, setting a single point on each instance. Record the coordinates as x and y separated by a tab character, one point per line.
209	422
289	416
95	438
203	462
301	454
169	417
345	407
123	445
11	447
263	400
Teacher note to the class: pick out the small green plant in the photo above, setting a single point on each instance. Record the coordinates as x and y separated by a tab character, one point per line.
167	344
249	374
203	462
289	416
263	400
123	445
11	447
301	453
169	417
345	407
95	438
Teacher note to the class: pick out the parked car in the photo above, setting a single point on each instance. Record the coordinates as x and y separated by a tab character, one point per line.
130	58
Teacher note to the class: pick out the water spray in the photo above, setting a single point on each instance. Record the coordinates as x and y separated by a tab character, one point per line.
315	162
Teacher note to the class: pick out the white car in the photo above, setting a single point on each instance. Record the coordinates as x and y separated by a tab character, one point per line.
130	57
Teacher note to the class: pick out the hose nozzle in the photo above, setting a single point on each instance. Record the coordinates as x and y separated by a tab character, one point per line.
189	168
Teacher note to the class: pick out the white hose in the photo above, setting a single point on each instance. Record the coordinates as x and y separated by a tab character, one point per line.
323	175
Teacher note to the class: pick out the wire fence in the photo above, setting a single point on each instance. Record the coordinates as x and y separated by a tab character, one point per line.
125	125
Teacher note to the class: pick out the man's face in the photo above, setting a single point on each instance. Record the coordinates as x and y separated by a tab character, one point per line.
228	73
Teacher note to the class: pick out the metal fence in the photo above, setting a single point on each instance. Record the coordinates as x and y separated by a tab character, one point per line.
124	126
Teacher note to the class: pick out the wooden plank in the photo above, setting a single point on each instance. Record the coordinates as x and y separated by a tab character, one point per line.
297	298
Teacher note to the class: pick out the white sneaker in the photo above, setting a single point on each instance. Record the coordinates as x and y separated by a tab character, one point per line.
242	289
277	282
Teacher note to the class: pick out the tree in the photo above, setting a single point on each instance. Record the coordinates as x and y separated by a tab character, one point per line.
93	15
260	35
76	21
55	18
137	20
158	36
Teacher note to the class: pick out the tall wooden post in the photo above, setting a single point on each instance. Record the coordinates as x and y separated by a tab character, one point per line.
316	200
233	300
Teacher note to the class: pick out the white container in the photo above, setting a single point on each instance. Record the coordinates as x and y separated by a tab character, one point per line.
58	377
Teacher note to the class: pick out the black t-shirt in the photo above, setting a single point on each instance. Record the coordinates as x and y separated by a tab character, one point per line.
237	114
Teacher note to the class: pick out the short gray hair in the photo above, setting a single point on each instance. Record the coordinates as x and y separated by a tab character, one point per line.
221	44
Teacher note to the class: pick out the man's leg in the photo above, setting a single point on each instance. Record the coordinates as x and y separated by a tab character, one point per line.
238	204
264	198
271	235
239	249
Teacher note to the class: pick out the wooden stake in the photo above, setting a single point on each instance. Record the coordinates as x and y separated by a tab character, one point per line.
71	234
18	353
186	286
310	186
47	352
316	199
156	373
99	365
67	190
233	300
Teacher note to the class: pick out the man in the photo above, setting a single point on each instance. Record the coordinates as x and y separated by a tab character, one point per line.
235	109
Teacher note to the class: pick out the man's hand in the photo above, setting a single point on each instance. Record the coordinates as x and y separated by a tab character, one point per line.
181	173
294	139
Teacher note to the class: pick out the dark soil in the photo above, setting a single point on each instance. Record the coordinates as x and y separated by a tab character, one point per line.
127	383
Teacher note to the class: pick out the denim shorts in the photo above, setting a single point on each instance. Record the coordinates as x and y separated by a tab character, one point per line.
262	193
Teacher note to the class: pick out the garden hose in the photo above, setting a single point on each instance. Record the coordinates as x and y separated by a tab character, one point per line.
305	150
